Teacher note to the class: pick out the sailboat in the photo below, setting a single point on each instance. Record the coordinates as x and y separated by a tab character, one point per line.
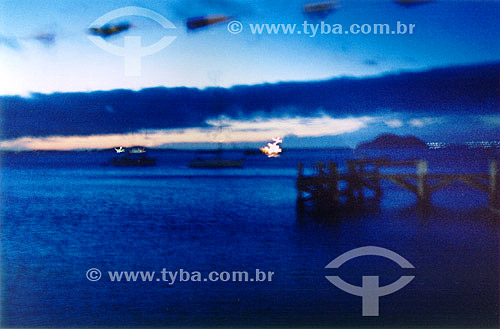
217	161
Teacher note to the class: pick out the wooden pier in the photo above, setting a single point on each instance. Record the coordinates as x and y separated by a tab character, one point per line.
330	189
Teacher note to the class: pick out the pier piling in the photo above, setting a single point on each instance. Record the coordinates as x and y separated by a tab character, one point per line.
333	182
422	190
493	186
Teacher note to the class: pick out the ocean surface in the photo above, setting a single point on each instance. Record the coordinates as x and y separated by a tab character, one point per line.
63	213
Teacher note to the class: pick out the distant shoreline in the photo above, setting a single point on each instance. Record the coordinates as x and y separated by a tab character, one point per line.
202	150
463	146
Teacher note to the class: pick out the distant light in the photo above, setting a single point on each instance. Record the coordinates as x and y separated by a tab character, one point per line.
273	150
437	145
470	145
483	144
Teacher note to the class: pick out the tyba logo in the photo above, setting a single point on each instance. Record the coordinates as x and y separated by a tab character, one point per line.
132	51
370	291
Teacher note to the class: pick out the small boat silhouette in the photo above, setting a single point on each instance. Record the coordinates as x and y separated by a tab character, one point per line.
127	161
216	163
134	158
137	150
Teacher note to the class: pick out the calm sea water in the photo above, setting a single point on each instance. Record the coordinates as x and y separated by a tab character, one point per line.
64	213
